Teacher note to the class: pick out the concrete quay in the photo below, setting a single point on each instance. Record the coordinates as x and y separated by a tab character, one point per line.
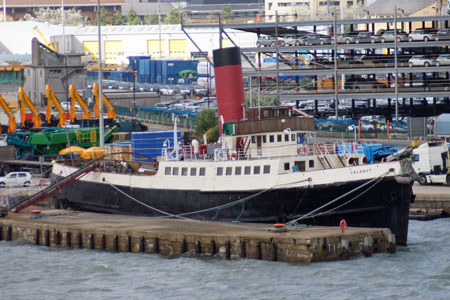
432	197
174	237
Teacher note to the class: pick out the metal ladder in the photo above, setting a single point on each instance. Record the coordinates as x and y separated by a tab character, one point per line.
53	189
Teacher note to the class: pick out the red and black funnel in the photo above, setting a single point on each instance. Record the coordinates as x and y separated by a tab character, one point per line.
229	84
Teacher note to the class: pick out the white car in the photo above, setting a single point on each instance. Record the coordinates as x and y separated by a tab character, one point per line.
16	179
443	59
420	60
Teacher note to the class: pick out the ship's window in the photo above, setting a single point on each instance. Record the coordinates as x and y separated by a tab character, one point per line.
276	113
311	163
237	171
193	171
264	139
293	137
256	169
253	139
279	138
167	170
300	165
184	171
247	170
271	138
265	113
286	166
202	172
228	171
286	137
219	171
175	171
266	169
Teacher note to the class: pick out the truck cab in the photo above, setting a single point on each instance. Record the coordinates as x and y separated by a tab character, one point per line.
431	163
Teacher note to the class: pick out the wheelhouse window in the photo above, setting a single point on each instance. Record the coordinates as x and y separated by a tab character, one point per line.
253	139
264	139
279	138
193	171
271	138
184	171
202	172
219	171
266	169
286	137
167	170
311	163
287	166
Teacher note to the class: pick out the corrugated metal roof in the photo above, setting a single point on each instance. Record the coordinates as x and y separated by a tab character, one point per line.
387	7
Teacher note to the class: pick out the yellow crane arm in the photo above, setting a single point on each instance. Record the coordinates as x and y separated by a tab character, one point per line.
297	110
12	119
52	99
76	97
43	37
25	101
109	107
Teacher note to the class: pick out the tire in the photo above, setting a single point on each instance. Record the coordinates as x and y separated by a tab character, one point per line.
411	65
436	39
383	40
26	184
258	44
410	39
373	41
321	42
297	43
2	184
438	64
425	39
357	41
426	64
347	41
273	44
422	180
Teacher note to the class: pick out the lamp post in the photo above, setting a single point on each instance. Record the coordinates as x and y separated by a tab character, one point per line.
4	10
100	79
396	63
134	87
159	26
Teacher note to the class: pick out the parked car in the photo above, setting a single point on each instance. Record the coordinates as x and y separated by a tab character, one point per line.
389	36
420	60
442	35
421	34
366	37
315	39
292	40
443	59
270	41
16	179
167	90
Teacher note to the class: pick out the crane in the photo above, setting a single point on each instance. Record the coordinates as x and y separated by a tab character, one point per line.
109	107
76	97
12	119
52	99
43	37
25	101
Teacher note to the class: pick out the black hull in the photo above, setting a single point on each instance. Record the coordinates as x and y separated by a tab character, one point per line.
384	206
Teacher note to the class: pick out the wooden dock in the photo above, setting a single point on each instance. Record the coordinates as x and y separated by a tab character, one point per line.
173	237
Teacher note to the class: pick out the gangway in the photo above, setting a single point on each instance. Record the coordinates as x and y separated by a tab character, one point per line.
109	107
26	102
53	189
12	119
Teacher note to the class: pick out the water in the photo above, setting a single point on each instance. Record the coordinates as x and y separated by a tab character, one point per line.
419	271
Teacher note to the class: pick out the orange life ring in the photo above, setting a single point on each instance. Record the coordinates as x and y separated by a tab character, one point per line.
234	155
343	225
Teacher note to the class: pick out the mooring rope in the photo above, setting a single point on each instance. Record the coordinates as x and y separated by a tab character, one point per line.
293	222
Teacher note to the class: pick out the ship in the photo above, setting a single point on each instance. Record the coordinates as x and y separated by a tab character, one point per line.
267	167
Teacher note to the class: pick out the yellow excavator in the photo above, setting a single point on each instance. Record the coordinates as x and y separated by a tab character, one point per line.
52	99
109	107
25	101
76	97
12	119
